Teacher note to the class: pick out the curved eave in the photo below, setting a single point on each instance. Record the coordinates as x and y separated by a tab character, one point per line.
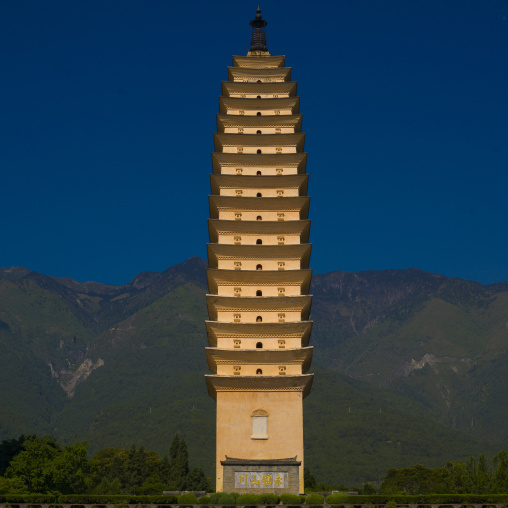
224	121
251	277
217	227
221	141
300	329
283	73
302	356
300	304
227	103
230	87
219	182
216	384
283	160
217	251
259	62
232	203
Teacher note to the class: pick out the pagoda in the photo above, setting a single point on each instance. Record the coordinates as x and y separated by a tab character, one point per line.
258	276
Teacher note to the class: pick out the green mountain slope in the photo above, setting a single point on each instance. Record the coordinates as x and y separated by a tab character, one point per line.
410	366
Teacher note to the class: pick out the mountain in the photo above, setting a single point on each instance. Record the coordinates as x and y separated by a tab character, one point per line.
410	366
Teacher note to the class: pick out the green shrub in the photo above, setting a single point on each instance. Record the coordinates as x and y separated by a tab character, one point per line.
249	499
291	499
270	498
226	499
315	499
204	500
187	498
337	499
391	504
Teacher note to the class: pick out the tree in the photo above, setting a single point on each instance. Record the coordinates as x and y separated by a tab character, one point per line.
43	466
308	479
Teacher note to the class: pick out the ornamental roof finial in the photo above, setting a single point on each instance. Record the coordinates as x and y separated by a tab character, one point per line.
258	39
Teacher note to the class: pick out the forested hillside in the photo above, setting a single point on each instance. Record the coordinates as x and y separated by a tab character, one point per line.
410	366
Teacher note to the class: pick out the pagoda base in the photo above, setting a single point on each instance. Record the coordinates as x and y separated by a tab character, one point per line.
275	476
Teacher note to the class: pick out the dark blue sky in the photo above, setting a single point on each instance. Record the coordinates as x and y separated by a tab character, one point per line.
107	111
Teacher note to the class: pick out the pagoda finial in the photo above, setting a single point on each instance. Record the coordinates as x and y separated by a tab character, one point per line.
258	39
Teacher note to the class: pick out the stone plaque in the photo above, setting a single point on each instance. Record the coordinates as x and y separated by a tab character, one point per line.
260	479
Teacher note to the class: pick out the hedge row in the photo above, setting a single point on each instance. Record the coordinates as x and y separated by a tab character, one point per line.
421	499
221	498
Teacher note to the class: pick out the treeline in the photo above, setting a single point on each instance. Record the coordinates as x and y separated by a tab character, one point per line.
32	464
472	476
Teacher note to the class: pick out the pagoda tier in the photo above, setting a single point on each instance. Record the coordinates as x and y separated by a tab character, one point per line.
246	335
226	185
288	282
249	257
255	164
270	208
250	124
252	90
265	62
247	309
240	106
227	231
259	75
301	383
232	362
252	143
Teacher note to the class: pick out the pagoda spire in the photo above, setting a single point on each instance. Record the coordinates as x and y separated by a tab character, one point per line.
258	37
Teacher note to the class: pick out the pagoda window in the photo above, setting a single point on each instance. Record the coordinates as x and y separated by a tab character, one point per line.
259	195
259	217
238	291
279	171
259	421
280	216
236	370
258	113
278	150
280	240
275	95
280	193
239	149
237	317
282	343
281	291
239	171
259	319
258	97
282	370
281	317
238	216
240	130
258	173
277	111
259	345
281	265
258	81
242	112
237	343
238	265
259	151
277	130
259	371
259	241
259	267
259	293
237	240
258	132
239	192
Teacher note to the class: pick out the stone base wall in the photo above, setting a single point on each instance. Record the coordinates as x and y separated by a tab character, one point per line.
261	479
